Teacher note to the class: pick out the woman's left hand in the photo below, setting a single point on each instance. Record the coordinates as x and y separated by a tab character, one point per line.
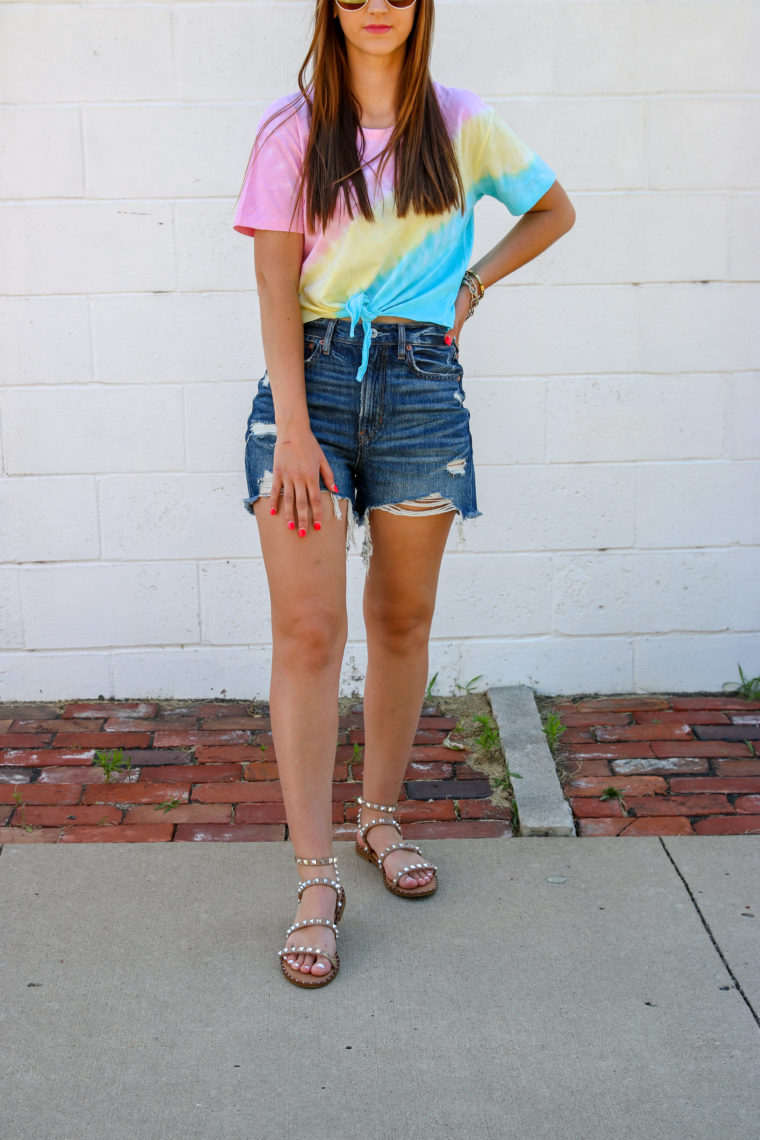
461	309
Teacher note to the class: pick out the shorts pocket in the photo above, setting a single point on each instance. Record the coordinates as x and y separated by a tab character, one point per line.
434	362
311	349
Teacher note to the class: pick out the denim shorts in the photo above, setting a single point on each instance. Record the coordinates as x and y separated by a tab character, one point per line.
401	433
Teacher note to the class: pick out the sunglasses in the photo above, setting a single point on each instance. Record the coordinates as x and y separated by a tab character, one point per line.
347	6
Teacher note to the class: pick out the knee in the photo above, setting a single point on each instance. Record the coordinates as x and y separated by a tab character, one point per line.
402	628
310	640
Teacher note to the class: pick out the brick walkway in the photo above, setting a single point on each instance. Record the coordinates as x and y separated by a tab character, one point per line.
684	765
206	772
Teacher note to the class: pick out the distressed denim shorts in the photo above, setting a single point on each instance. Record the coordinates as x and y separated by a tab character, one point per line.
400	434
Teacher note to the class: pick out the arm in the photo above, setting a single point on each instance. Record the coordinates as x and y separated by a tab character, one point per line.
551	217
298	458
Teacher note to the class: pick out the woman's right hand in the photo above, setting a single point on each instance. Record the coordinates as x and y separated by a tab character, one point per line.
298	463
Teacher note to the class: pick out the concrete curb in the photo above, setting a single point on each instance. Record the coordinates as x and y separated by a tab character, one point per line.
541	806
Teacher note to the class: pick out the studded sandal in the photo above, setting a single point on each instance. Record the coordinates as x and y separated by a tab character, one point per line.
367	853
315	980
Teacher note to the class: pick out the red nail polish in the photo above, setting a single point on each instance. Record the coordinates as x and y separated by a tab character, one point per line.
317	526
447	339
301	532
273	510
291	526
335	486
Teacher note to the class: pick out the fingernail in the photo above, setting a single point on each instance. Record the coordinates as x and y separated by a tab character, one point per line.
301	532
291	526
273	510
317	526
447	339
335	486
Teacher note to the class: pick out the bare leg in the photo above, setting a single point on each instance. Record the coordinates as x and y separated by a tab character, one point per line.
399	599
307	586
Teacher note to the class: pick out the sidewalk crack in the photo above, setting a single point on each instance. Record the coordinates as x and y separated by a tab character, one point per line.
710	935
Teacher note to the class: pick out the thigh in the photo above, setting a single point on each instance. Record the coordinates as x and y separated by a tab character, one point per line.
407	551
306	576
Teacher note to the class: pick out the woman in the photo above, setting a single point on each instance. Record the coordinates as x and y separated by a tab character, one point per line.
359	193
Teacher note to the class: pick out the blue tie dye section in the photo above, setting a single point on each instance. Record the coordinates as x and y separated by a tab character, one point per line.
423	285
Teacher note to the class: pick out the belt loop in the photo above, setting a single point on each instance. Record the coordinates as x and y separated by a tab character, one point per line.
401	341
328	336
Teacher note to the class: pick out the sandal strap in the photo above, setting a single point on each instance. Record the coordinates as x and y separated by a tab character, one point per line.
397	847
317	950
311	922
376	807
324	862
413	867
374	823
319	882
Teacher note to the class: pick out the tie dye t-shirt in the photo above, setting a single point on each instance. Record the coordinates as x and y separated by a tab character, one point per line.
404	267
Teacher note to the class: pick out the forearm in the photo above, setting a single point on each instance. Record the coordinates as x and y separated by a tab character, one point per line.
530	236
282	335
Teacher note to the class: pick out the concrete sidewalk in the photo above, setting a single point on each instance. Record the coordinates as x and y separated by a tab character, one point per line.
589	988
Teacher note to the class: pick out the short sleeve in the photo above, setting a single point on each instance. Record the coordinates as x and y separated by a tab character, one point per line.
267	195
508	169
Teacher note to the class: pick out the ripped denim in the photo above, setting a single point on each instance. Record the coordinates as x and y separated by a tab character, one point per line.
398	440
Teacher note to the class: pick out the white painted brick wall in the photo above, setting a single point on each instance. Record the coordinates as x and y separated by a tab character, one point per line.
613	384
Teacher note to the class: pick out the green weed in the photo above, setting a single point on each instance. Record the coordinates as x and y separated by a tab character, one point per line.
613	793
111	761
750	686
553	729
429	689
167	805
20	802
469	686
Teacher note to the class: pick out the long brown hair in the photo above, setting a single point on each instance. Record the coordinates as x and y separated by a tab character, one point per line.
427	179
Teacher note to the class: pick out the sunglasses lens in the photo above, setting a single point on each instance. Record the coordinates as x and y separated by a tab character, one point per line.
348	6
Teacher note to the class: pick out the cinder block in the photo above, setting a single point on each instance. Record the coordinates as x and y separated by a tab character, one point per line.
93	606
45	340
176	516
507	419
678	157
54	676
525	332
518	43
78	430
176	338
621	47
235	602
552	664
513	596
191	672
169	150
637	237
40	152
210	254
554	507
699	662
11	623
590	143
598	418
698	328
697	504
129	247
91	52
643	592
216	416
47	520
744	229
239	51
742	429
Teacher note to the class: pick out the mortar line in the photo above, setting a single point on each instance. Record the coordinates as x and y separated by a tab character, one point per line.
710	935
